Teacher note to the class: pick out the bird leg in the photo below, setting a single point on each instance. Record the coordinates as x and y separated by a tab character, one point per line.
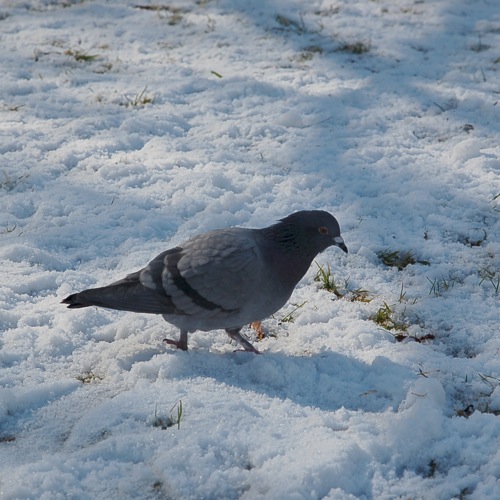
234	333
182	343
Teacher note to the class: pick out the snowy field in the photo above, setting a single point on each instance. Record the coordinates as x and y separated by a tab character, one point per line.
129	126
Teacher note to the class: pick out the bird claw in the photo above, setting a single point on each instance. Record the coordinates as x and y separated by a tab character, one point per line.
234	333
254	351
177	343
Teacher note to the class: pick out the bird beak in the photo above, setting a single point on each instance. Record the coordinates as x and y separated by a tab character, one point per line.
338	241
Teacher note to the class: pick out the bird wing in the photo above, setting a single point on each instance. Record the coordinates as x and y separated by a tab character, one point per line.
213	273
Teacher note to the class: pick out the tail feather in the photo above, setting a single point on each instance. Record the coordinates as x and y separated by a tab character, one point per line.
75	301
125	295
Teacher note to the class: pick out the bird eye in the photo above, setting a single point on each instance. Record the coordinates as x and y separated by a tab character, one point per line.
323	230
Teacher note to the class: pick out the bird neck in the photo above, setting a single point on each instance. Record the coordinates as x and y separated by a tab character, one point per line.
288	250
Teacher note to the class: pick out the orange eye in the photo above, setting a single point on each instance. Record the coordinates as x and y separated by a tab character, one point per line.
323	230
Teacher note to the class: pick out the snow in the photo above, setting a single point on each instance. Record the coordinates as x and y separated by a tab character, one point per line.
125	130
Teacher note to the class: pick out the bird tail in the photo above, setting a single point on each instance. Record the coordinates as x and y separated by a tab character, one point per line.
125	295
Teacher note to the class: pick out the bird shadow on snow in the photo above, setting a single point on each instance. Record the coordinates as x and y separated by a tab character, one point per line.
327	380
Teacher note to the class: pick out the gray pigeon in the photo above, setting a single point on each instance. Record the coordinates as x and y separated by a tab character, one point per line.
225	278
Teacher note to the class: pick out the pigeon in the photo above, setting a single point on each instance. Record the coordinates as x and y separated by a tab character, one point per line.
222	279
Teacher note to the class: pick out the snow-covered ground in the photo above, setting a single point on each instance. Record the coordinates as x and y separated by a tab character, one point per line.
128	126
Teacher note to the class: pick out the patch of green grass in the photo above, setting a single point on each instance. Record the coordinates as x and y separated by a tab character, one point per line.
358	295
386	318
397	258
383	316
493	277
290	318
327	281
443	284
325	277
400	258
139	100
170	420
80	55
290	24
397	325
402	296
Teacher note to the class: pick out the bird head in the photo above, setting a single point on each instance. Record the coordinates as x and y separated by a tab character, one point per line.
315	228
